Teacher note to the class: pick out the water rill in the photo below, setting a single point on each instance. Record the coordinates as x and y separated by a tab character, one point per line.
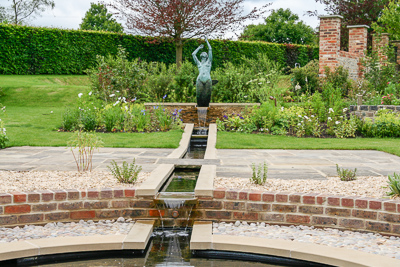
176	199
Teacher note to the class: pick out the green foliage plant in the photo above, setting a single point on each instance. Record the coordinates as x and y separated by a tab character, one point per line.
386	124
388	22
339	78
345	128
394	185
3	135
346	174
306	77
259	173
77	50
86	143
184	83
281	26
97	18
70	119
159	81
126	173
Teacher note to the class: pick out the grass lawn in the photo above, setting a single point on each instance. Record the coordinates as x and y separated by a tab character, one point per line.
261	141
35	106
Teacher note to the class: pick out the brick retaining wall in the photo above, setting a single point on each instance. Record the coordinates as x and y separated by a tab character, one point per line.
343	212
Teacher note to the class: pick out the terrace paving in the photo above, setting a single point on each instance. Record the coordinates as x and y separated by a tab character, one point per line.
282	164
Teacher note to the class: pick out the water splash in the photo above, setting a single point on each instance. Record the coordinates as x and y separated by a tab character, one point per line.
202	115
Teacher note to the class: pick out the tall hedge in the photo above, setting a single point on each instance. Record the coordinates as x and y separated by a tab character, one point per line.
32	50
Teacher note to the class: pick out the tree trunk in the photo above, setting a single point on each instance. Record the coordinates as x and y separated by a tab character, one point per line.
178	46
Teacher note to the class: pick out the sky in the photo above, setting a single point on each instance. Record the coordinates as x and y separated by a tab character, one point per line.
68	14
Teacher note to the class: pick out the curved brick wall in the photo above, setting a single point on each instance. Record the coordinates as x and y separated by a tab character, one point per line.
356	213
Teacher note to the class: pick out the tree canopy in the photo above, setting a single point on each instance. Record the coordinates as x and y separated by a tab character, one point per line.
281	26
389	22
21	10
97	18
182	19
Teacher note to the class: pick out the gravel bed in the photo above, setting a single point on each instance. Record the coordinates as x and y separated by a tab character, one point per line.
50	230
15	181
364	186
367	242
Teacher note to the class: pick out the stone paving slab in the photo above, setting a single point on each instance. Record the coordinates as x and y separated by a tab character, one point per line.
305	164
61	159
282	164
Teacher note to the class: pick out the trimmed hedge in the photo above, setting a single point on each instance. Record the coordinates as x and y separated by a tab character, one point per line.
32	50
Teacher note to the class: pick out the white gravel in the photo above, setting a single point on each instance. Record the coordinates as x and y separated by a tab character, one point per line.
50	230
364	186
367	242
15	181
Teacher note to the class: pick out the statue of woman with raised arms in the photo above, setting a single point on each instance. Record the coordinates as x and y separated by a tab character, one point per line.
203	82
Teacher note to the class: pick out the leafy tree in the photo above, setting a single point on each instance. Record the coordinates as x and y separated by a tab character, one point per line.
282	26
21	10
183	19
361	12
97	18
3	14
389	22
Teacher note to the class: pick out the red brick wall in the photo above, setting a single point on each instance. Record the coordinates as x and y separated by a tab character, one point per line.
343	212
329	42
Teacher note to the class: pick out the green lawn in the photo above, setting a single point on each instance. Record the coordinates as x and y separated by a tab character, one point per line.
261	141
35	105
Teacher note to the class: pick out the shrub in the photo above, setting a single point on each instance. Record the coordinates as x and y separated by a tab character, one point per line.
111	116
386	124
346	174
86	144
3	135
306	77
184	83
70	119
159	80
394	185
126	173
259	175
339	78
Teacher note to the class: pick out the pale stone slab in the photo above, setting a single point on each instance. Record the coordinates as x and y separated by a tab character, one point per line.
205	181
211	151
76	244
201	236
157	178
184	143
19	249
139	235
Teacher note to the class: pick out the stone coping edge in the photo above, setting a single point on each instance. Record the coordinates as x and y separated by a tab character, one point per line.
211	151
183	144
205	181
203	239
157	178
136	239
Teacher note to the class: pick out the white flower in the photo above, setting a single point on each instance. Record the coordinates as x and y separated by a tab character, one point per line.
305	117
337	122
329	118
312	116
345	109
331	110
282	108
299	124
299	116
80	95
51	111
126	108
90	93
245	96
116	103
0	119
112	95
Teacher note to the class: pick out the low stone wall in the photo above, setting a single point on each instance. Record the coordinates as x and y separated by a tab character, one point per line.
343	212
369	111
216	110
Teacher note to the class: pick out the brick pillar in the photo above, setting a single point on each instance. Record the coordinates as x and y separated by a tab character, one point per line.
397	45
329	42
358	39
379	44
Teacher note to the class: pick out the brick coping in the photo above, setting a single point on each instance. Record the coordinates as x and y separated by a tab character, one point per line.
136	239
203	239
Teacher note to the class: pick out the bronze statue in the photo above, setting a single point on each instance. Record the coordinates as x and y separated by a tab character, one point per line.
203	82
